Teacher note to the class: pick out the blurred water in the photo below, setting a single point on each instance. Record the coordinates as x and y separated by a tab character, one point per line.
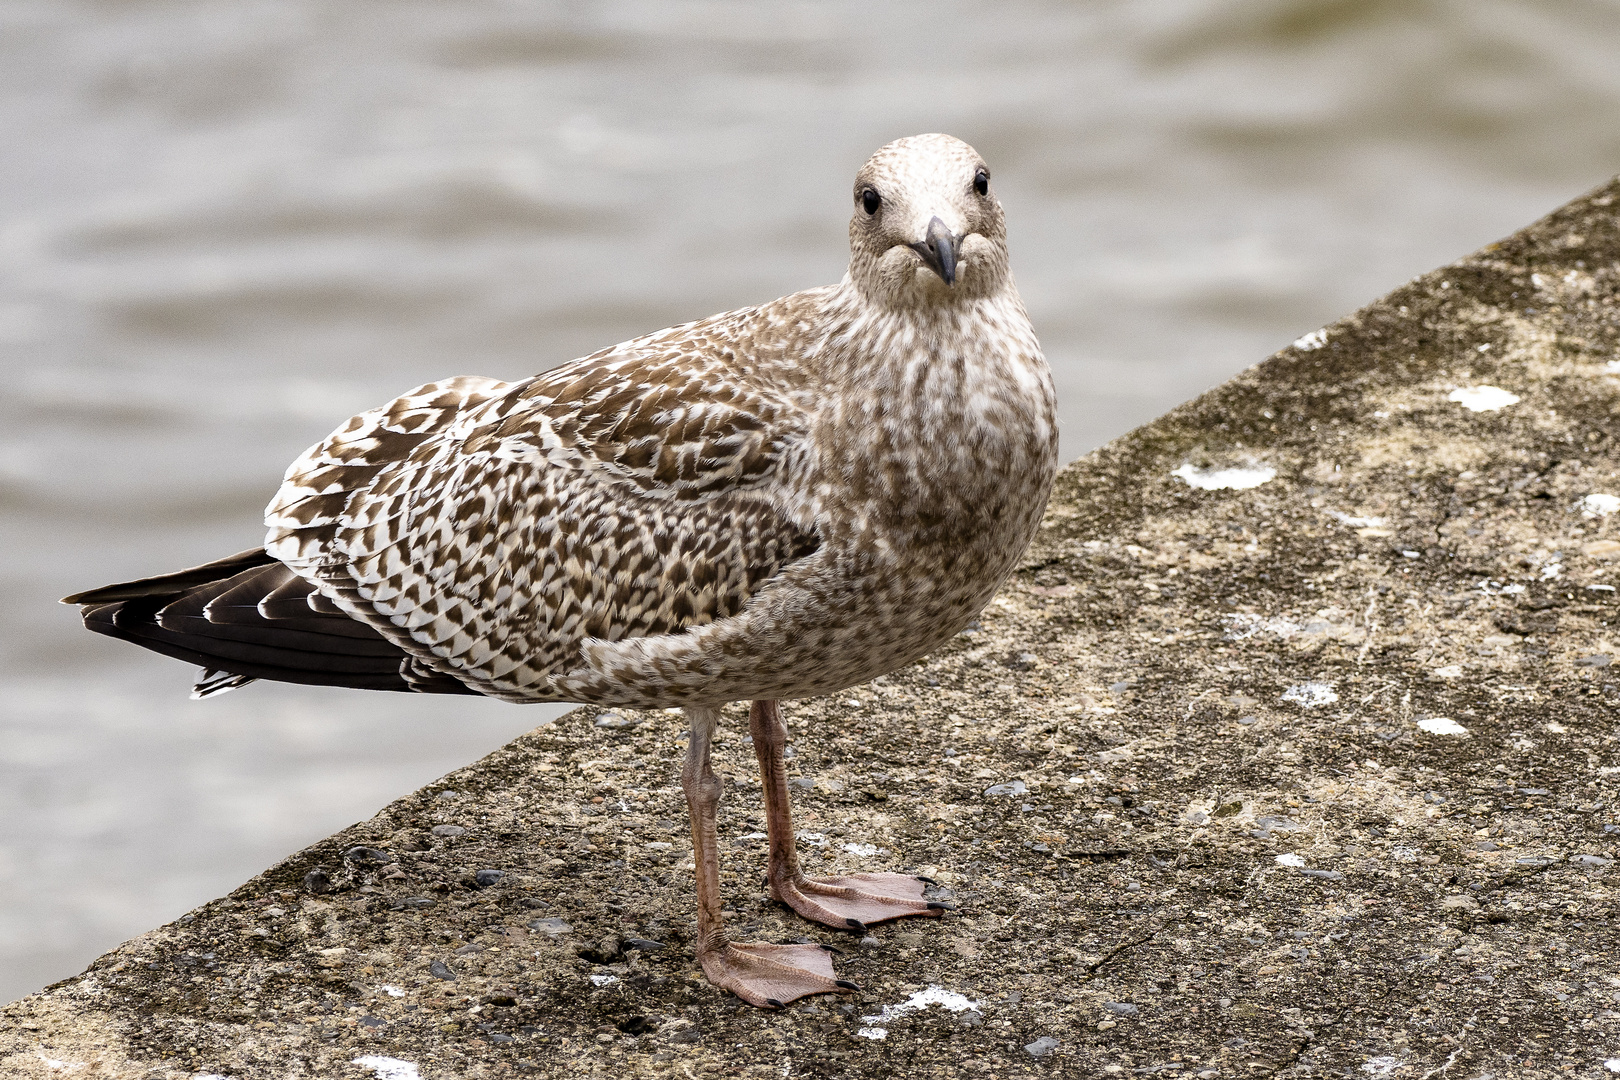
227	224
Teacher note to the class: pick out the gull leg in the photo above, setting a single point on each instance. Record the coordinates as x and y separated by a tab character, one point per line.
762	975
850	901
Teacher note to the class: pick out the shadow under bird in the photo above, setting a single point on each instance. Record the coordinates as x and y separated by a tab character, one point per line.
775	502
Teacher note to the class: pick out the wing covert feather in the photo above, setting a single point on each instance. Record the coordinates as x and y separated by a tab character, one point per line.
490	528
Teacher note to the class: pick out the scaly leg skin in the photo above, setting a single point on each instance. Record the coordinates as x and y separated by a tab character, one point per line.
762	975
848	902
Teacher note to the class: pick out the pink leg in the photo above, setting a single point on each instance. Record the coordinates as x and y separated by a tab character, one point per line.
762	975
849	902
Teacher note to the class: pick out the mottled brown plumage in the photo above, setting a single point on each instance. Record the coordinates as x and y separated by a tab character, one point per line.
774	502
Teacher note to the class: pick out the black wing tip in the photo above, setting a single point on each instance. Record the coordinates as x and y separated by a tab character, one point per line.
168	615
172	584
107	594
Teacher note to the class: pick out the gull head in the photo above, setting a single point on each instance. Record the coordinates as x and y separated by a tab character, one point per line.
927	228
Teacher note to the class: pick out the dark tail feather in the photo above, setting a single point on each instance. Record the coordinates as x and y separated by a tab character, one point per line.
250	617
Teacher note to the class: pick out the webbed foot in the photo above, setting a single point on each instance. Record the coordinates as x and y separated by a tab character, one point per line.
771	976
855	901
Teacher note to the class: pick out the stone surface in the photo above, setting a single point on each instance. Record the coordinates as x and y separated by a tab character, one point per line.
1236	639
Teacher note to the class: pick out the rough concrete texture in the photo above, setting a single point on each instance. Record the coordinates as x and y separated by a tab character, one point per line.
1309	777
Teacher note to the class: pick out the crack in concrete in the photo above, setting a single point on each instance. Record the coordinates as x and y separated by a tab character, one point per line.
1305	1043
1092	968
1451	1059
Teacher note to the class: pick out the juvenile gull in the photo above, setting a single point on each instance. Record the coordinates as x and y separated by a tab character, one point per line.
776	502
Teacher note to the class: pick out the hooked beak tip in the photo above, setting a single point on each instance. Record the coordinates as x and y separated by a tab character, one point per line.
939	250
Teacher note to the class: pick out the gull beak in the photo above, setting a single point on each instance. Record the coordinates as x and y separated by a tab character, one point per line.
939	250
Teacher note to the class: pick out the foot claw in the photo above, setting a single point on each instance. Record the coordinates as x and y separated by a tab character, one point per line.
829	948
773	1003
856	924
935	905
929	880
846	984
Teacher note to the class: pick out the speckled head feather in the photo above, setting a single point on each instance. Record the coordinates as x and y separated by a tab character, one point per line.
916	180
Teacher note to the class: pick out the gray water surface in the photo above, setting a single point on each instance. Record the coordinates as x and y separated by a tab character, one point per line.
225	225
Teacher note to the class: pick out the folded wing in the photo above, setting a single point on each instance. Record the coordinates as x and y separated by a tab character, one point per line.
487	529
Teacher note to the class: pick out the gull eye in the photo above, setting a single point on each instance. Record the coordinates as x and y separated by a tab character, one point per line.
870	200
981	182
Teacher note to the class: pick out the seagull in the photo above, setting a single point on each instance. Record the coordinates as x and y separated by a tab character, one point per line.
776	502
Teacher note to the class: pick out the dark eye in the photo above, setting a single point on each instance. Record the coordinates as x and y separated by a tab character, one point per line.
870	201
981	182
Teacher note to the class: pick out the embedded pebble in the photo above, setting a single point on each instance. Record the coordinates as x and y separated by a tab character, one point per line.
448	830
366	856
643	944
1311	695
485	878
551	925
1121	1008
1015	787
1266	825
440	970
1041	1047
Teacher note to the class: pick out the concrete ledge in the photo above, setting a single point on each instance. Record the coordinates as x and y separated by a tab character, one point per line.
1309	774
